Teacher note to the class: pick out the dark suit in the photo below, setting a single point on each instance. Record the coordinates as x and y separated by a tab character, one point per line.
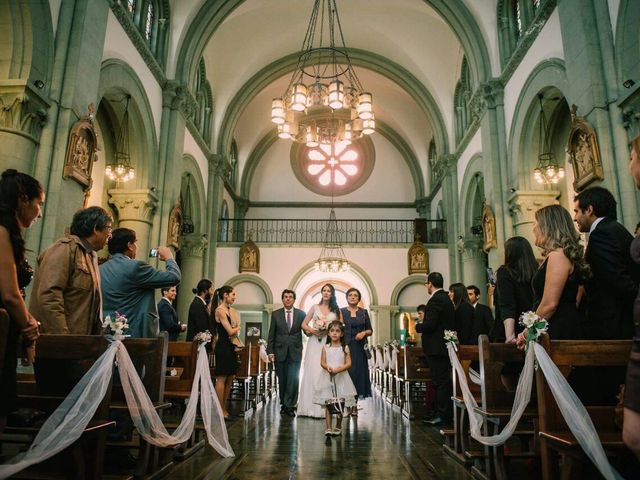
614	284
286	346
482	321
438	317
169	319
199	319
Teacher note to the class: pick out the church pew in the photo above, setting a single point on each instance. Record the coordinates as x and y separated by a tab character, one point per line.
243	379
390	376
378	369
85	457
495	407
414	380
398	375
556	441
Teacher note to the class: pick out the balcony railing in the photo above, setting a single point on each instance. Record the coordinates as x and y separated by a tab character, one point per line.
314	231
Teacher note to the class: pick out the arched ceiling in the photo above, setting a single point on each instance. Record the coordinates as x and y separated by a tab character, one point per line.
423	39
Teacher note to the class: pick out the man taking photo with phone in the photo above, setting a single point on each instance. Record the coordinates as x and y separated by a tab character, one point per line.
128	285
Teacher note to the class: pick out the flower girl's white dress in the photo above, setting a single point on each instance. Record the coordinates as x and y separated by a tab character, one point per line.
311	368
344	387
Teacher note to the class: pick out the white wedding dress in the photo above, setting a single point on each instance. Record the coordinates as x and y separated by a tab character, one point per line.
312	369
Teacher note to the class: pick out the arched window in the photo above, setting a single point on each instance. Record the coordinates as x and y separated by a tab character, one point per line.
433	158
514	18
204	100
224	222
151	19
233	160
461	100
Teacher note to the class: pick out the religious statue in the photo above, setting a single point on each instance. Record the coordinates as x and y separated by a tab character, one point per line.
175	226
418	257
81	150
249	257
488	229
582	149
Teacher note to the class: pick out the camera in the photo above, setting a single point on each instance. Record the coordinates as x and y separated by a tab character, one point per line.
153	252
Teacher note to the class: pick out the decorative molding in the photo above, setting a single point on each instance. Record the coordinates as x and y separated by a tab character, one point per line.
328	205
240	207
81	150
423	206
524	203
138	41
173	94
134	205
22	110
193	246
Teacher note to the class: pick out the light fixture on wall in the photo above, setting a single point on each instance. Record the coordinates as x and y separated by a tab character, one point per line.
547	170
334	107
120	169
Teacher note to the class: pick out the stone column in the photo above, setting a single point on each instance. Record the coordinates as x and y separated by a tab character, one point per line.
523	205
474	262
381	322
135	211
217	172
241	207
450	197
192	248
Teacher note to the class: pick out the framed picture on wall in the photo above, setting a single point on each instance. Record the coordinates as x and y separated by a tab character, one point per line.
81	151
583	152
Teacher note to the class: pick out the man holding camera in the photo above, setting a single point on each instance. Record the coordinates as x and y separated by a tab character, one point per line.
128	285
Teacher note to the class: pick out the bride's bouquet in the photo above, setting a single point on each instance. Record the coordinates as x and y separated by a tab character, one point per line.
320	324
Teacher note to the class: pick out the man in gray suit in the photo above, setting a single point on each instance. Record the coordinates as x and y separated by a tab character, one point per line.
285	347
129	285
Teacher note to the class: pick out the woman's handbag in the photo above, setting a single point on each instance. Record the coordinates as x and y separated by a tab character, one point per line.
335	405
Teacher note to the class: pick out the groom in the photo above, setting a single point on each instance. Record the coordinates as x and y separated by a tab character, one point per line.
285	346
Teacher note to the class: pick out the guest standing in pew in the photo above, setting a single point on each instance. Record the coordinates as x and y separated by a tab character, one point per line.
200	318
129	285
439	316
226	358
614	281
631	428
21	200
284	347
66	296
513	293
463	316
557	282
482	317
357	328
168	316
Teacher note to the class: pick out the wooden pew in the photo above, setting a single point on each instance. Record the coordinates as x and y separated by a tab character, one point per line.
556	440
398	370
243	379
390	376
414	380
85	457
379	383
495	407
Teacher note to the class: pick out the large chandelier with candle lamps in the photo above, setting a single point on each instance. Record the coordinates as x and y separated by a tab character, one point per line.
547	170
120	169
324	103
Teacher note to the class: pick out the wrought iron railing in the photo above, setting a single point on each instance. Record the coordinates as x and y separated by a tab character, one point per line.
267	230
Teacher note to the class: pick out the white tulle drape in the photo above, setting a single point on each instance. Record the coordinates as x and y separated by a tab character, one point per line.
385	360
147	420
379	359
394	359
263	354
68	421
570	406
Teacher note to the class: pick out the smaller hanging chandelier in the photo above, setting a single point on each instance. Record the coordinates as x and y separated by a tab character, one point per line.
120	170
334	107
332	258
547	170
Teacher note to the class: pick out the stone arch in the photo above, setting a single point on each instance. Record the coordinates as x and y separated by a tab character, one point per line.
472	186
255	280
414	279
627	51
224	221
118	79
283	66
250	167
197	192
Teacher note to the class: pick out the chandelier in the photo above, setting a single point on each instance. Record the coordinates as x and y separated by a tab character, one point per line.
547	170
333	107
332	258
120	170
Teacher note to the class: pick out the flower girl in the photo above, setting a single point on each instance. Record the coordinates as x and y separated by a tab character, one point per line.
334	382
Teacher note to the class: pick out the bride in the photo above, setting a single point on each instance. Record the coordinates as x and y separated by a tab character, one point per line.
315	326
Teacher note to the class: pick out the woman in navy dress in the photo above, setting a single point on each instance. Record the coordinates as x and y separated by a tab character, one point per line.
357	329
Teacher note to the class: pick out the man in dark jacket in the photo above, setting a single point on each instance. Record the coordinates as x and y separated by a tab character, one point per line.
168	316
439	316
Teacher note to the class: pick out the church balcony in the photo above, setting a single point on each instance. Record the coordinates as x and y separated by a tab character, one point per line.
350	232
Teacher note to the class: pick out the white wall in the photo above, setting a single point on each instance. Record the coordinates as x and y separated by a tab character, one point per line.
191	147
474	146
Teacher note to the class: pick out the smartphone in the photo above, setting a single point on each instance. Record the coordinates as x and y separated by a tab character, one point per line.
491	277
153	252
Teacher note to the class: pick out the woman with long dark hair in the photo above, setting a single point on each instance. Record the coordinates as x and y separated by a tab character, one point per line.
513	293
226	358
21	200
315	326
357	329
463	318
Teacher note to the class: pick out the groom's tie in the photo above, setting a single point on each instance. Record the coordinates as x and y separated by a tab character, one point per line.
289	320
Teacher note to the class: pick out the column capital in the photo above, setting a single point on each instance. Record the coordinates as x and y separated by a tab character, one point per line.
524	203
137	205
22	110
423	206
492	93
173	94
242	206
193	246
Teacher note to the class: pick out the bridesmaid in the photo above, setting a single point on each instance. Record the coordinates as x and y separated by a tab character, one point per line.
357	329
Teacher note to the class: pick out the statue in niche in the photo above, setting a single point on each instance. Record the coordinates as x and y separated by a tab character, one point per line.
249	257
81	150
582	149
175	226
488	228
418	257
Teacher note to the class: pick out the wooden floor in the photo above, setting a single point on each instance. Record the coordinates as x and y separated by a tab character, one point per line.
378	444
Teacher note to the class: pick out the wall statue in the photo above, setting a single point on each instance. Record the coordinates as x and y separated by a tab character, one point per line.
175	226
488	229
249	257
81	150
582	149
418	257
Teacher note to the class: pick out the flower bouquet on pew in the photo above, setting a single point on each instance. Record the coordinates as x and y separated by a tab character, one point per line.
534	326
451	336
115	326
203	337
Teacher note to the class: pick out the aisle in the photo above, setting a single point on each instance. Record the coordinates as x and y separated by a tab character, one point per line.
378	444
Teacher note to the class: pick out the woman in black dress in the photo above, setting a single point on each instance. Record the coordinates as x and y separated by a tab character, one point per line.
357	328
21	200
224	352
200	318
513	294
463	318
556	284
